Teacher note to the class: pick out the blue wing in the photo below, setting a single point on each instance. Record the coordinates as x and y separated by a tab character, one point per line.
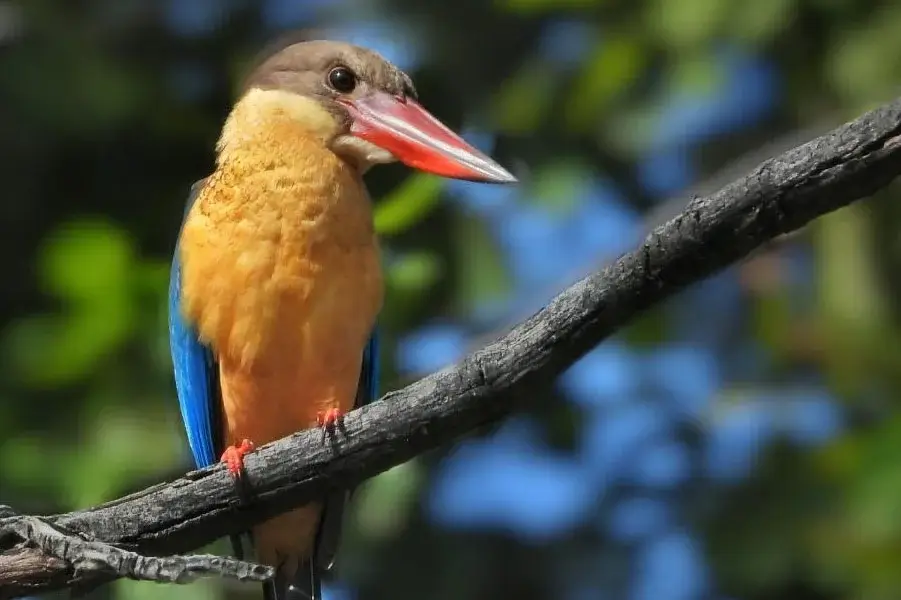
196	372
369	376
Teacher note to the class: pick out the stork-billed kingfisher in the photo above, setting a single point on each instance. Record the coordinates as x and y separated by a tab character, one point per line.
276	281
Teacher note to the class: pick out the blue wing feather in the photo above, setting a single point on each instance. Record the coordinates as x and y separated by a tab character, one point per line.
196	372
369	377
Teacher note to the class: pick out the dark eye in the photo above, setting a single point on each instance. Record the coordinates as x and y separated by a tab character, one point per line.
342	80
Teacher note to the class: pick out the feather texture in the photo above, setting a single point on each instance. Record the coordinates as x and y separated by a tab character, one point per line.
196	372
274	292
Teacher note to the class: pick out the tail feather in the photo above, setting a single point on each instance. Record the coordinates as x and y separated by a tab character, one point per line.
237	546
306	584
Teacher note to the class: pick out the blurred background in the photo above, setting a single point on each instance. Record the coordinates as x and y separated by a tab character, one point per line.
741	442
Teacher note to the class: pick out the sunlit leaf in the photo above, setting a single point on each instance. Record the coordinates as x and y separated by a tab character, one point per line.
86	260
414	272
696	74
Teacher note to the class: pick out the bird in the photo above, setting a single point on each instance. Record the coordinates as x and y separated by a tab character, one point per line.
276	282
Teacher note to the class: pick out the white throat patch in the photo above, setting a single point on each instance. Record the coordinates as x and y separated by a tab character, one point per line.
361	152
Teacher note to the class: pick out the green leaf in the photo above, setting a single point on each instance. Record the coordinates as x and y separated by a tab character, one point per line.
414	272
30	463
863	65
695	74
86	260
202	589
554	183
483	276
849	287
858	537
851	312
386	501
48	351
114	451
686	23
762	20
524	100
613	67
411	202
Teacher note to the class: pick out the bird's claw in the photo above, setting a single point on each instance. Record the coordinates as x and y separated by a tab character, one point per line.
330	419
233	457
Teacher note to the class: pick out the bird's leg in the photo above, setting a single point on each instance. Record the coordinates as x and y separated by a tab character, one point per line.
233	457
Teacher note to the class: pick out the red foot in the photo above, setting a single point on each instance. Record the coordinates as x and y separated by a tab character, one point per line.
234	457
330	418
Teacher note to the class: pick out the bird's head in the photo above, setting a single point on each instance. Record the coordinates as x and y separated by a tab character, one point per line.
366	110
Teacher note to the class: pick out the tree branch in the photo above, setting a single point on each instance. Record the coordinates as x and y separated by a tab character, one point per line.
52	547
780	195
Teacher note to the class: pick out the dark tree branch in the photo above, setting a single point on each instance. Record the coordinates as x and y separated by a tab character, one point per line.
45	546
97	557
780	195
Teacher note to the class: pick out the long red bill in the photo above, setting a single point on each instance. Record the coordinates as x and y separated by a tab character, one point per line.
408	131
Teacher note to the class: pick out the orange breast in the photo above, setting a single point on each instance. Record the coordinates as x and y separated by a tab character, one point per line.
310	358
281	274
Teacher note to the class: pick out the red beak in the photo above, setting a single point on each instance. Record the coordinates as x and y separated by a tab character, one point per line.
408	131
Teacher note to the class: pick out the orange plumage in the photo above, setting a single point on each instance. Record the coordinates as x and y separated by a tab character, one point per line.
281	276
